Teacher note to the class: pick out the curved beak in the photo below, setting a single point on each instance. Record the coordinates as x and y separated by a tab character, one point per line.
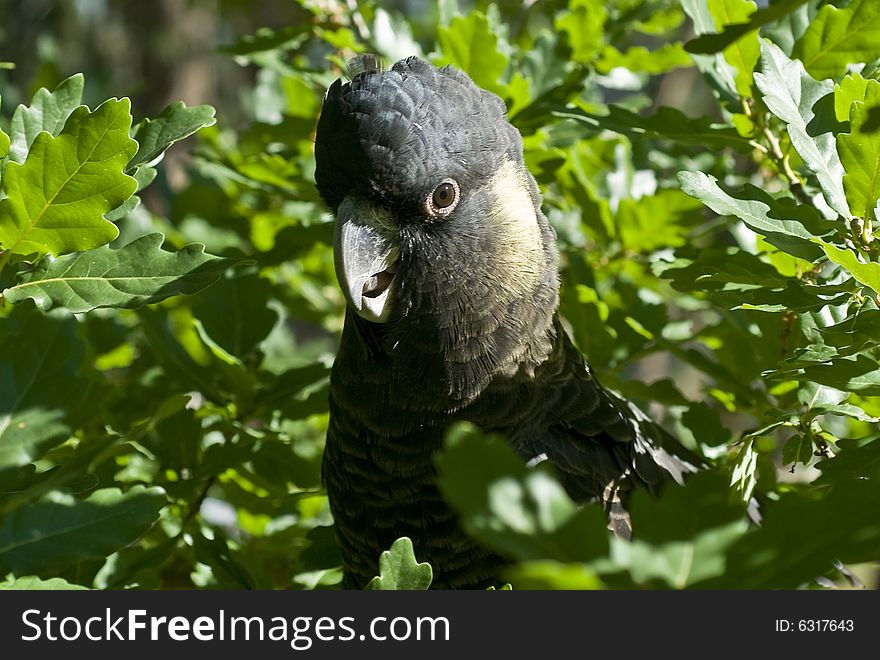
365	252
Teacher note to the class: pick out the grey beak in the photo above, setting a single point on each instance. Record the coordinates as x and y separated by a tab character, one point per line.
365	253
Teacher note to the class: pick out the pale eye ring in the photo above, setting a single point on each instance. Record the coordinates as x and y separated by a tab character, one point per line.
443	200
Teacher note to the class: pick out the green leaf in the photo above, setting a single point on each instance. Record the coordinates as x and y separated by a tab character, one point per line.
744	478
299	392
813	395
743	52
399	570
676	542
858	459
61	530
667	124
57	199
39	384
175	123
793	96
780	221
704	423
48	112
134	275
718	72
860	155
857	332
266	39
521	512
798	449
851	89
548	574
638	58
859	373
227	567
709	43
839	37
584	24
175	361
735	279
791	27
144	176
234	312
657	221
786	553
33	583
844	410
866	273
470	44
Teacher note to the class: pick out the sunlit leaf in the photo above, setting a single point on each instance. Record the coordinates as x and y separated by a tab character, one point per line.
57	199
793	96
713	43
470	44
860	155
399	569
583	23
851	89
639	58
33	583
743	52
48	112
155	135
837	38
868	273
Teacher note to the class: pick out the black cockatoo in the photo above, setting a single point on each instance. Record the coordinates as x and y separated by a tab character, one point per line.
449	268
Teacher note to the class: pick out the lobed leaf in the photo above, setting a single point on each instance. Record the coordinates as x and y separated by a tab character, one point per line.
860	156
797	99
849	90
583	22
837	38
780	221
638	58
57	199
33	583
138	273
676	542
48	112
175	123
470	44
399	570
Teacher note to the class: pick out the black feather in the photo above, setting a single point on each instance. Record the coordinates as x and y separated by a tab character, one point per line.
468	338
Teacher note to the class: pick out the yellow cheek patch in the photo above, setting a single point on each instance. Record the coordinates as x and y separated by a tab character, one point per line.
512	215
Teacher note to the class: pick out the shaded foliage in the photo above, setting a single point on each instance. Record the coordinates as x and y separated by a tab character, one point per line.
709	168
